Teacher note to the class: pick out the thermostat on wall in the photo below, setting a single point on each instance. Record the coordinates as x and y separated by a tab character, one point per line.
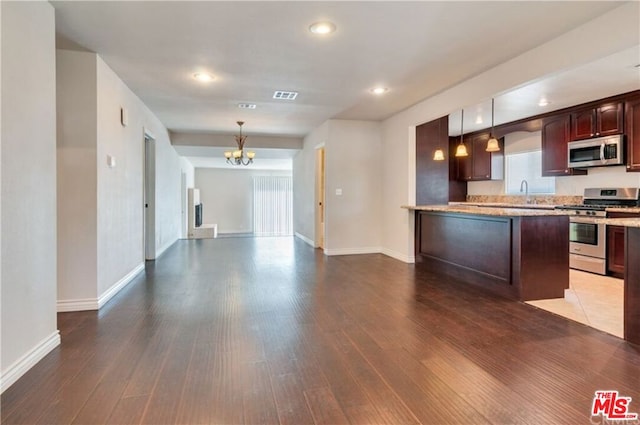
123	117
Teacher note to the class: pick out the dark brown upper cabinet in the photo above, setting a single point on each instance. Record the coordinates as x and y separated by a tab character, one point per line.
555	140
632	119
434	184
463	163
603	120
480	164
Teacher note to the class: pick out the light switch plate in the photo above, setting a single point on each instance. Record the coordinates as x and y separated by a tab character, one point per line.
111	161
338	192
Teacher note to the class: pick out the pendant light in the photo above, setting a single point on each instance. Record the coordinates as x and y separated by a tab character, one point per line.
461	149
492	143
438	155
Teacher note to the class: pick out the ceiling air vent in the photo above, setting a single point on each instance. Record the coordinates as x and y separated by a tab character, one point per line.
285	95
247	105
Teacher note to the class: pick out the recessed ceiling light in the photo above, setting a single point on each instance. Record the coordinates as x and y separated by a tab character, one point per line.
203	77
247	105
379	90
322	28
543	102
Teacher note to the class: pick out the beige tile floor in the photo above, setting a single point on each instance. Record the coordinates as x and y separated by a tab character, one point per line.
594	300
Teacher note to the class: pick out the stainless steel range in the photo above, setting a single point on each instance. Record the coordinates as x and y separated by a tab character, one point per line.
588	239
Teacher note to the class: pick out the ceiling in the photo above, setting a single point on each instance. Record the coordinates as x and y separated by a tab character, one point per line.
416	49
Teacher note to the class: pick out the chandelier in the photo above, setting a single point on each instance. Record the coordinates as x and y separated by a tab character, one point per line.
238	157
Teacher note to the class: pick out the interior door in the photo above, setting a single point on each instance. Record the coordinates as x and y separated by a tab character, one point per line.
183	203
320	197
149	198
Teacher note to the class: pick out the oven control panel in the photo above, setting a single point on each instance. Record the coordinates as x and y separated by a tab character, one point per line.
591	213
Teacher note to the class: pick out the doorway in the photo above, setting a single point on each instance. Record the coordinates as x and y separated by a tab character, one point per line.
149	197
320	198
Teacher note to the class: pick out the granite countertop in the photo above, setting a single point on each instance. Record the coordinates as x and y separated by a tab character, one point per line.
489	210
626	222
506	209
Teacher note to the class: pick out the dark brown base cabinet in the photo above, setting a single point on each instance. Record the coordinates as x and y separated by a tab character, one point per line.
615	254
615	245
521	258
632	285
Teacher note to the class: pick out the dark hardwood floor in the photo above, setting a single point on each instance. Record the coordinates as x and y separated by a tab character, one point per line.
249	331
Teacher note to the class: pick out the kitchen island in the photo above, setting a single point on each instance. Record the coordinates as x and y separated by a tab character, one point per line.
518	253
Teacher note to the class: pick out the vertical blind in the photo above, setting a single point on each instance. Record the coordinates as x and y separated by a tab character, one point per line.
272	206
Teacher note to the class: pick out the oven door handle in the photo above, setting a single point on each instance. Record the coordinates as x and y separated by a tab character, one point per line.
602	152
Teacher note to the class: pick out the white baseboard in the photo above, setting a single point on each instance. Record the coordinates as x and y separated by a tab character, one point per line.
353	251
399	256
26	362
81	304
305	239
111	292
84	304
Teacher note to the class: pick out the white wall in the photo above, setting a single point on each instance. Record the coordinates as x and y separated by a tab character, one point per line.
398	186
120	189
352	164
304	175
109	202
586	43
187	168
28	329
3	381
597	177
77	178
227	196
168	174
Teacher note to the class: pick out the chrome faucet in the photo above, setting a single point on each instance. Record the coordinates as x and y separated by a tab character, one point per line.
526	190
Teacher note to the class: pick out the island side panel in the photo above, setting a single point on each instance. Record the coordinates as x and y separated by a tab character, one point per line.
541	257
476	248
632	285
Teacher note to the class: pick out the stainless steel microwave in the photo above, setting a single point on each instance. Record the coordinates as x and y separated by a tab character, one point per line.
596	152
